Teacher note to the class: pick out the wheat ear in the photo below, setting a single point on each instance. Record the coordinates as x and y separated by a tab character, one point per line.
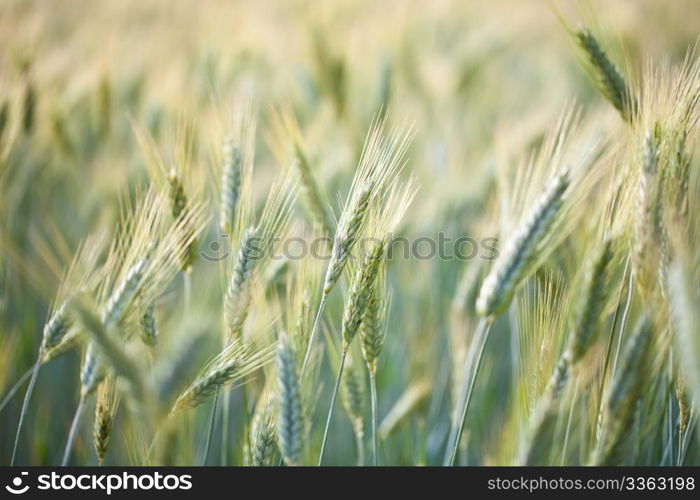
606	75
290	415
262	441
230	184
589	314
235	363
519	254
105	413
380	163
237	296
312	193
149	329
179	207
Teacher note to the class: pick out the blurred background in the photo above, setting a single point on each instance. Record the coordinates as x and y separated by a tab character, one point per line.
480	82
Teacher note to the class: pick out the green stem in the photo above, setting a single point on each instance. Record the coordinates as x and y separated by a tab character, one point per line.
312	336
225	419
620	338
670	408
360	448
330	410
25	406
373	397
625	315
74	429
608	351
212	419
687	437
606	365
568	424
187	289
16	387
471	372
514	346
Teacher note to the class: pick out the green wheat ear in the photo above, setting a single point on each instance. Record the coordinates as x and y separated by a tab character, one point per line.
149	331
312	192
290	415
516	260
262	440
606	76
230	184
234	364
589	314
179	207
360	292
108	398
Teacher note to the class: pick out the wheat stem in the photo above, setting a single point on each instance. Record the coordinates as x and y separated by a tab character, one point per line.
212	419
360	449
330	410
625	316
471	372
74	429
312	335
568	423
373	399
25	405
16	387
225	418
613	329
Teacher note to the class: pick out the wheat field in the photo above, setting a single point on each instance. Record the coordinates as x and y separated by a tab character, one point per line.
349	233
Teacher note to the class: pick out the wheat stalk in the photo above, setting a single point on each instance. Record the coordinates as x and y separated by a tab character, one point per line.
82	274
511	267
380	163
352	397
355	306
372	334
